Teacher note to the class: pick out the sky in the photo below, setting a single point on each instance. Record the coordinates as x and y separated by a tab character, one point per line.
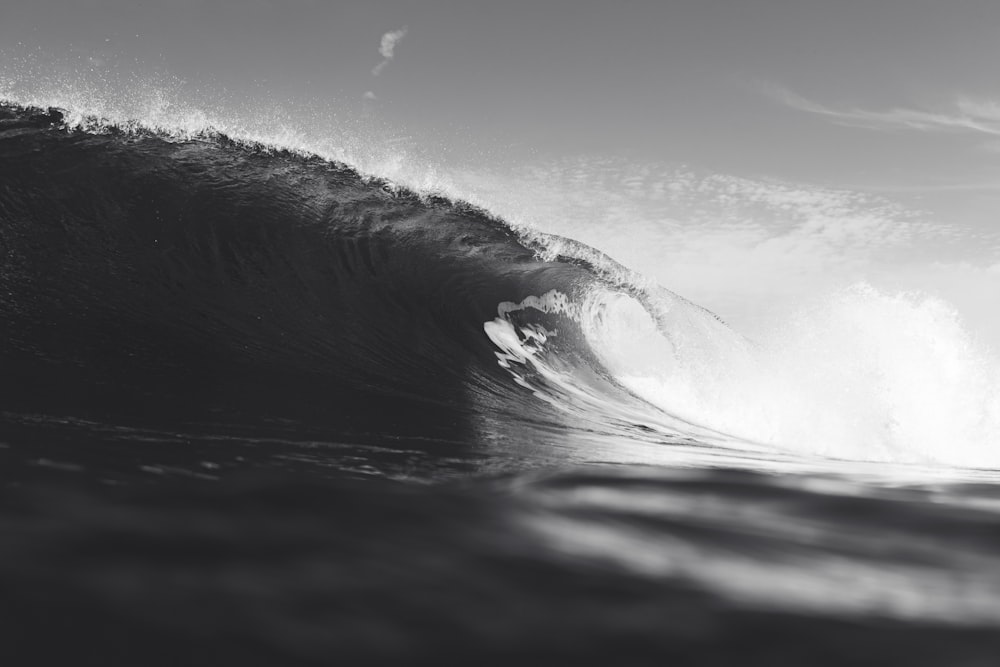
742	152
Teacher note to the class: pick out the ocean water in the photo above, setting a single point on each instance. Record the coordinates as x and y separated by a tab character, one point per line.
261	403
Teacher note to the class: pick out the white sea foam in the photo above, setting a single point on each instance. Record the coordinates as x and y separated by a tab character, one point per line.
864	375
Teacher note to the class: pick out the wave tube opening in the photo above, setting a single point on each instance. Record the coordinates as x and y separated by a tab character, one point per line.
863	376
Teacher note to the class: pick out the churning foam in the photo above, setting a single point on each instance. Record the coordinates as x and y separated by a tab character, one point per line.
865	375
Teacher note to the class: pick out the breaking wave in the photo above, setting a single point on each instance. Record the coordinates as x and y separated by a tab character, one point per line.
183	272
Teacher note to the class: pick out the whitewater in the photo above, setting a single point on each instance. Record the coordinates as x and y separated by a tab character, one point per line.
270	398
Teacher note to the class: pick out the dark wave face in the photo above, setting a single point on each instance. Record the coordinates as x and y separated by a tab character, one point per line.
256	408
162	281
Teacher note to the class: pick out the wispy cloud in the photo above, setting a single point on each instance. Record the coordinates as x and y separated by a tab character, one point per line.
965	115
388	48
747	249
369	95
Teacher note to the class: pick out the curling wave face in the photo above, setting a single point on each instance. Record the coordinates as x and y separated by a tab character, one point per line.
160	276
188	273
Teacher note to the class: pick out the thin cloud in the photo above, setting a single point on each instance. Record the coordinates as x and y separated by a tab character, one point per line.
928	188
967	116
369	95
388	48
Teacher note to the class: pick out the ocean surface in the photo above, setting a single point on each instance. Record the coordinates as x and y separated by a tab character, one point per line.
259	408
